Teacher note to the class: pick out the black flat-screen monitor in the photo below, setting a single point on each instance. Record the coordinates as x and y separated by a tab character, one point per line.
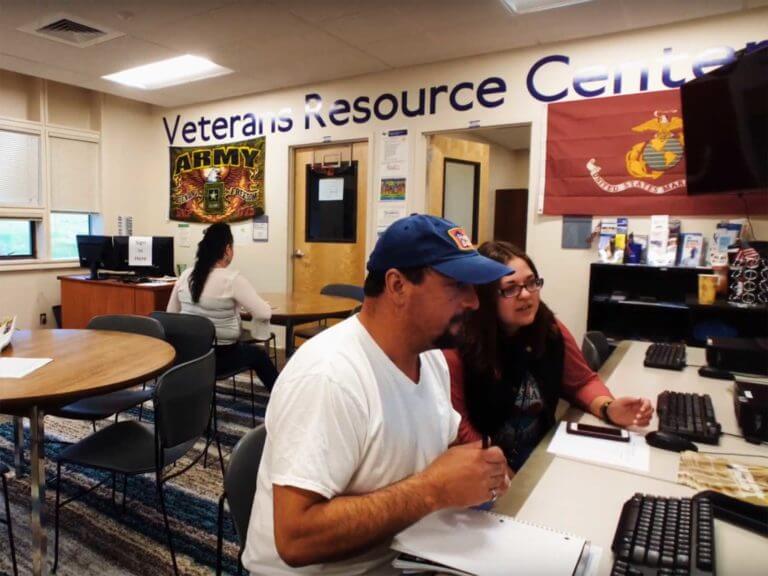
95	252
162	257
725	123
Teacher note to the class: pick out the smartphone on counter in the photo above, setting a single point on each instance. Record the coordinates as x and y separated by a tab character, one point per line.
603	432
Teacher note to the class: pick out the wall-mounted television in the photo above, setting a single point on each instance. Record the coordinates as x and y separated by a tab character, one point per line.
725	124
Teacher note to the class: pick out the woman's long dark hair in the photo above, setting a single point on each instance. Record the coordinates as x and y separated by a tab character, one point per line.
481	352
210	250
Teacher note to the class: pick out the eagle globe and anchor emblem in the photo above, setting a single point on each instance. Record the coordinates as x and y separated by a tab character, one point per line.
649	160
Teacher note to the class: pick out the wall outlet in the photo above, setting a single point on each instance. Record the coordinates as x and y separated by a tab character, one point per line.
43	319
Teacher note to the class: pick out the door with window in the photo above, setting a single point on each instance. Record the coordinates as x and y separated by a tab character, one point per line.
329	216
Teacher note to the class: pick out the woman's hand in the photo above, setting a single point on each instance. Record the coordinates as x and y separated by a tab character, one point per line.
628	411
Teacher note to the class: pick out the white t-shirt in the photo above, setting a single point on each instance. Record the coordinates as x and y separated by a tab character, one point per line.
343	419
224	292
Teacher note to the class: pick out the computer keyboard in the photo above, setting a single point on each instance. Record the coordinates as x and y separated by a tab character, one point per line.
664	537
667	356
689	415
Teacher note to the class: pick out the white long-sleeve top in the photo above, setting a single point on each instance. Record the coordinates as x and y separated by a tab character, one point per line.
225	291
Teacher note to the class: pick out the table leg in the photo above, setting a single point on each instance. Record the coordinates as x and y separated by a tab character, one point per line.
289	349
18	445
37	463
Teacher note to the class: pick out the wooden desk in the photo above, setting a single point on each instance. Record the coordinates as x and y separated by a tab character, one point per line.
82	299
289	309
586	498
85	363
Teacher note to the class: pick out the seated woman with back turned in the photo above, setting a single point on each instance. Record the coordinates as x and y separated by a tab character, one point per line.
212	290
518	360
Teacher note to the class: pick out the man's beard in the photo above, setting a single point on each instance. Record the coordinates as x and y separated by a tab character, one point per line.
447	339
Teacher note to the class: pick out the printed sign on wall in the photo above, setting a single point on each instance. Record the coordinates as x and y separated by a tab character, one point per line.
223	183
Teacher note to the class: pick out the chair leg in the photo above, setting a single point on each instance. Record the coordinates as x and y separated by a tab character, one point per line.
221	456
114	485
253	401
220	535
93	425
125	491
234	389
56	518
10	528
167	524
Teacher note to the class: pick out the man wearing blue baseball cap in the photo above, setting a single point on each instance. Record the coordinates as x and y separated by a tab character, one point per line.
360	420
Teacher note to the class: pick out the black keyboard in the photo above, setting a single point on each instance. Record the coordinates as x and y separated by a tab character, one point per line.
688	415
659	536
667	356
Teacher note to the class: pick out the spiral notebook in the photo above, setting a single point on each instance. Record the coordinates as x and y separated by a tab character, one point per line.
489	544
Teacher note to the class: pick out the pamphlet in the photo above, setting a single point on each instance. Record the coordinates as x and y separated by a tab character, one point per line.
692	248
657	241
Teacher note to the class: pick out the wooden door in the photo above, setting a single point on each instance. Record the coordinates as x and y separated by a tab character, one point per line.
510	219
317	263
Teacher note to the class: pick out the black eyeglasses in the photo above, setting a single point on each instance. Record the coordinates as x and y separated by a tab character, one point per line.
513	290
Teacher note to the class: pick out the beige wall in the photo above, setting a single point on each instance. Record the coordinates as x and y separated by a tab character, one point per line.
135	154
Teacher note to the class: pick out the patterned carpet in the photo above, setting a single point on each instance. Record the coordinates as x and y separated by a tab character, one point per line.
97	539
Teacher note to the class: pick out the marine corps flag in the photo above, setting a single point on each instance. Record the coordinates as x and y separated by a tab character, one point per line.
221	183
622	155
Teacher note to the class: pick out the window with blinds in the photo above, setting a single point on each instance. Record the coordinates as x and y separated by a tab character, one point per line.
20	169
74	175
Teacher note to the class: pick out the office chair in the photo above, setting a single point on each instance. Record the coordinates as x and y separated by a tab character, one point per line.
182	401
192	336
240	489
596	349
7	521
105	405
307	331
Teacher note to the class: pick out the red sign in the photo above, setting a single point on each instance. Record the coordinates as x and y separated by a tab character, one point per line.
623	155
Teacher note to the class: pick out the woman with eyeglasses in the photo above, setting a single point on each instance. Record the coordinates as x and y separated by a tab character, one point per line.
518	360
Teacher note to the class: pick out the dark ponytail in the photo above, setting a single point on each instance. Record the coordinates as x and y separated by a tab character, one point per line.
210	250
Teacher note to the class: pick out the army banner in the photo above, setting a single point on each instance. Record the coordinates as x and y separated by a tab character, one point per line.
220	183
622	155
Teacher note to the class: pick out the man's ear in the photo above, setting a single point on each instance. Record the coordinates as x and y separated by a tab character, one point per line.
396	286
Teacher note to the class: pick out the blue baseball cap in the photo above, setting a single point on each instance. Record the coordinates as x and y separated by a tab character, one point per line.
421	240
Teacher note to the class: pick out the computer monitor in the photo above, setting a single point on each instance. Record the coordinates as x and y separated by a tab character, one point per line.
162	257
95	252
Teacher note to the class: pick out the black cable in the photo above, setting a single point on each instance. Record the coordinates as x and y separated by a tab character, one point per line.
734	454
732	434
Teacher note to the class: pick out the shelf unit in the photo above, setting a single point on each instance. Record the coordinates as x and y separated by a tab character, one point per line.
640	302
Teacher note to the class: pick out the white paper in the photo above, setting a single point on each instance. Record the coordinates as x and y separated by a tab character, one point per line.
331	190
140	251
124	225
261	228
386	215
632	455
490	544
185	236
20	367
394	154
242	234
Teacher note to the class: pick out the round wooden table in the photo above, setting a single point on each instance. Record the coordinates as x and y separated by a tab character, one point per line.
85	363
289	309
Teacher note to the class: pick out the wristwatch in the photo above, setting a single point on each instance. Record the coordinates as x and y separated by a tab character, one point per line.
604	412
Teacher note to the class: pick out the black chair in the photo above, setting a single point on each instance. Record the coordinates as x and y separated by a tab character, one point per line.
7	521
240	488
596	349
182	400
192	336
307	331
231	373
105	405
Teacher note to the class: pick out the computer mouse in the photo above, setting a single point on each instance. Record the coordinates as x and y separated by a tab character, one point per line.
669	441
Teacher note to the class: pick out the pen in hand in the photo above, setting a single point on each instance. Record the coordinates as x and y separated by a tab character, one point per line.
486	442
